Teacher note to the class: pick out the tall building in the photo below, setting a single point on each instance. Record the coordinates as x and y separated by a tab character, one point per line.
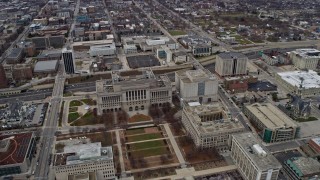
84	159
133	93
273	124
3	78
254	162
68	60
197	85
209	125
305	58
16	153
231	64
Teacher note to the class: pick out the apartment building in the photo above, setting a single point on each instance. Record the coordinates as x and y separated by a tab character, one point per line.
273	124
253	160
82	159
209	125
305	58
197	85
231	64
133	93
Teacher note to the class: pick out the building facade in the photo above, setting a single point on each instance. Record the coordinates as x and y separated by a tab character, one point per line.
254	162
231	64
133	93
68	60
273	124
3	78
130	48
85	158
305	58
196	85
209	125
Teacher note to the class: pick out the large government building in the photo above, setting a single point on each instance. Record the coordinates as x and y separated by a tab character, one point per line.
82	161
197	85
231	64
209	125
133	93
273	124
305	58
252	159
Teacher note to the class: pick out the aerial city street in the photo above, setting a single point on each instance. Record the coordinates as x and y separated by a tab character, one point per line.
159	89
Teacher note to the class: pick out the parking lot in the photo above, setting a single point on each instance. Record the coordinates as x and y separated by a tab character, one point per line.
142	61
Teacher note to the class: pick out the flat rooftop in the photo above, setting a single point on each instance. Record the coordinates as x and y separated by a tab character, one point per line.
222	125
46	66
307	53
231	55
198	75
263	162
17	148
272	117
316	140
305	166
310	78
81	153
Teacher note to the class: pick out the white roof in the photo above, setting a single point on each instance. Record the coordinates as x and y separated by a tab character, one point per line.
194	104
310	78
316	140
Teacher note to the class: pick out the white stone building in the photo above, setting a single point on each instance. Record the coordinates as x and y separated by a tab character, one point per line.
254	162
196	85
83	159
231	64
133	93
305	58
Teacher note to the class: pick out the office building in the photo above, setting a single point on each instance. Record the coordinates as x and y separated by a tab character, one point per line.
82	159
164	53
201	50
15	56
209	125
196	85
253	160
16	153
46	67
68	60
103	50
231	64
303	83
272	124
130	48
3	78
180	57
305	58
133	93
200	46
314	143
302	168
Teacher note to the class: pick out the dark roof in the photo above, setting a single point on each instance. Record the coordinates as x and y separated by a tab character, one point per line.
231	55
17	149
15	52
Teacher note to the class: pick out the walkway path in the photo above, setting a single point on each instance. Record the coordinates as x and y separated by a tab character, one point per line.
120	153
175	145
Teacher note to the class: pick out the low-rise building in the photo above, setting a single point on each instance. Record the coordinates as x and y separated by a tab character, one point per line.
305	58
180	57
314	143
130	48
197	85
46	67
16	153
85	158
103	50
303	83
252	159
164	53
273	124
209	125
238	84
302	168
133	93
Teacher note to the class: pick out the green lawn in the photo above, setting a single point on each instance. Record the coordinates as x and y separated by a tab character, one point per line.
87	119
73	109
177	33
149	152
73	116
306	120
75	103
144	137
135	131
90	102
104	137
67	94
146	145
